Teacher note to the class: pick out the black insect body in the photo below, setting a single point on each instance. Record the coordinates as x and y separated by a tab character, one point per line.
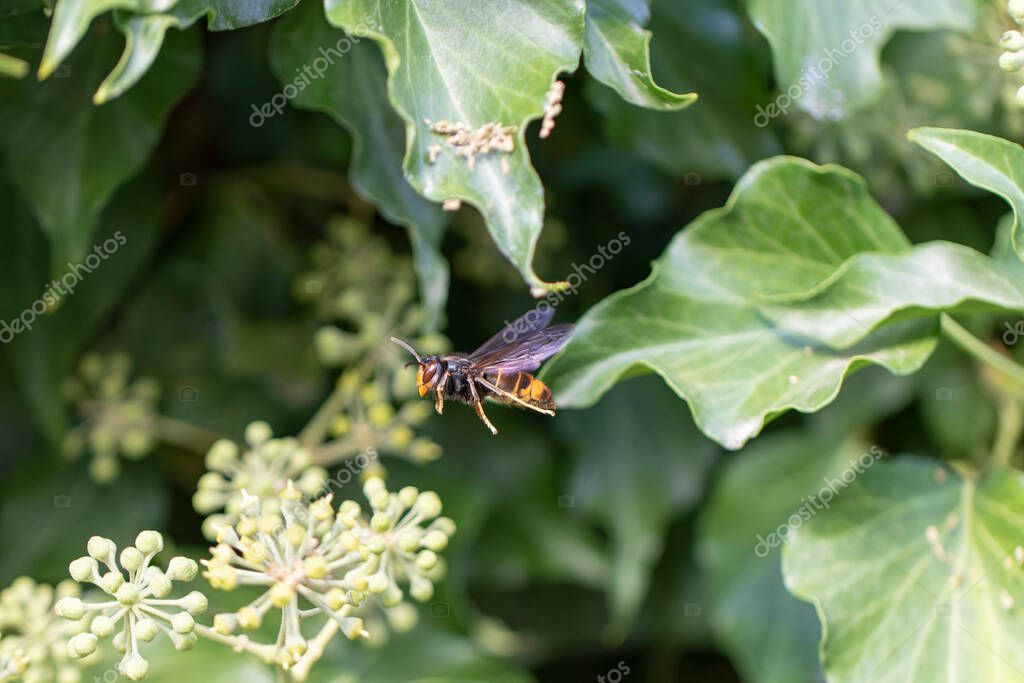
500	369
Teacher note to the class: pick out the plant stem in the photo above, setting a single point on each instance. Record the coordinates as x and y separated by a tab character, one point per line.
314	432
1011	424
266	653
957	334
184	435
315	650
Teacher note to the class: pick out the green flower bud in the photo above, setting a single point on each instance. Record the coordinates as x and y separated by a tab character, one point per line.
257	433
402	617
1016	10
149	542
182	569
135	667
222	455
81	645
111	582
426	559
83	569
428	504
194	603
100	548
145	630
1012	41
158	582
182	622
1011	61
224	624
101	626
435	540
70	608
131	558
128	594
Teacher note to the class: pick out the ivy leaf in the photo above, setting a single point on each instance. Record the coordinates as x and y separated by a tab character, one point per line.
714	138
352	91
459	61
760	488
617	52
67	157
926	280
638	466
144	24
830	51
928	560
698	321
986	161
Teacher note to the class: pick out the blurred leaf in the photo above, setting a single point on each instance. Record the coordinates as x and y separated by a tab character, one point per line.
427	654
12	67
785	232
958	414
761	487
47	517
986	161
807	35
457	61
638	465
617	52
353	91
42	356
144	24
930	580
714	137
67	157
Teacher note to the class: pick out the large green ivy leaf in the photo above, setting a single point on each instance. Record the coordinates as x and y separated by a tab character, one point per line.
353	92
989	162
697	320
144	24
67	157
638	465
829	52
933	277
616	49
715	137
474	64
761	487
744	312
913	573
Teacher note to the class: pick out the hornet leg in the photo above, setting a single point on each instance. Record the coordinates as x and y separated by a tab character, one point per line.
439	397
478	406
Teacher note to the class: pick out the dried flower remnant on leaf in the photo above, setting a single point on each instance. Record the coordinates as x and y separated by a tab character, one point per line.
263	470
139	606
118	417
552	108
473	142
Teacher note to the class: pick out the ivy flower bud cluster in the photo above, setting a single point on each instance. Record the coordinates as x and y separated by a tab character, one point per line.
139	606
262	471
32	637
314	561
118	417
368	418
1012	42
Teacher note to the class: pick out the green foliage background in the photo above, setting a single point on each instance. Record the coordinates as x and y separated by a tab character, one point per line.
624	530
